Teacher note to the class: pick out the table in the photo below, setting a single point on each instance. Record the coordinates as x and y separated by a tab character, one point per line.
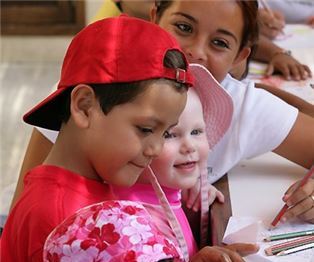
220	213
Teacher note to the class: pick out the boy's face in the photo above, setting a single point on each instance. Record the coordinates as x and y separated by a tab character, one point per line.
209	32
186	149
122	143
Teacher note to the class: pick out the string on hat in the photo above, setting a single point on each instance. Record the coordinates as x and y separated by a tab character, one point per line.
204	207
172	219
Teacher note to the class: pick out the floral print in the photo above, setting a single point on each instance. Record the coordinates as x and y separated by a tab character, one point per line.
110	231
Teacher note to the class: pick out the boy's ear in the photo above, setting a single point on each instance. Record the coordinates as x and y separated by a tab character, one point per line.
242	55
82	101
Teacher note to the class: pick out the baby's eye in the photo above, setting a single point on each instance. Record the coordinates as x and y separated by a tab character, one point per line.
221	43
196	132
169	135
185	28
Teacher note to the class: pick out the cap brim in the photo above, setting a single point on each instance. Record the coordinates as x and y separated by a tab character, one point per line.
217	104
48	113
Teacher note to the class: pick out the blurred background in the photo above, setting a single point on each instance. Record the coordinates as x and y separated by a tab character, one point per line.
34	38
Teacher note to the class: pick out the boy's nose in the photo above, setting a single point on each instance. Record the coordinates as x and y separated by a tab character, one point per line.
153	149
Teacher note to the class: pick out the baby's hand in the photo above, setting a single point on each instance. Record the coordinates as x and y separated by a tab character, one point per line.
289	67
300	201
192	196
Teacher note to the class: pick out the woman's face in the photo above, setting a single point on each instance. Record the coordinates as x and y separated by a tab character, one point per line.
209	32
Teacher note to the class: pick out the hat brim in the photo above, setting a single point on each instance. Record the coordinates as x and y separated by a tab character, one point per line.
48	113
217	104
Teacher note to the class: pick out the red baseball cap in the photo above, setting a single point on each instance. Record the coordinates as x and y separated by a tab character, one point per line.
113	50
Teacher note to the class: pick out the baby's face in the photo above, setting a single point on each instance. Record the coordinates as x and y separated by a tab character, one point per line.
185	150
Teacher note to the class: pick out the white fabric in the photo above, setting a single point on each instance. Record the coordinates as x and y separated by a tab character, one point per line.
260	123
50	134
295	11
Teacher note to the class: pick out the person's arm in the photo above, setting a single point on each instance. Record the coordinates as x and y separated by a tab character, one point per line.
271	23
303	106
37	150
228	253
298	146
280	61
310	21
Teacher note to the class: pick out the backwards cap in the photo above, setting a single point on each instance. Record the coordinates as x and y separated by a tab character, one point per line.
114	50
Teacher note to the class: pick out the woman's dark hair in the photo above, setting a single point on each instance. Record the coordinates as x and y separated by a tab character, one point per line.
110	95
249	12
250	30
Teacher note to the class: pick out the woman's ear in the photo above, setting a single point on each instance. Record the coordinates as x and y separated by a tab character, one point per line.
242	55
82	101
153	14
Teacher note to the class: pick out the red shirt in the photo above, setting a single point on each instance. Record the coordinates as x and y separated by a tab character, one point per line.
51	194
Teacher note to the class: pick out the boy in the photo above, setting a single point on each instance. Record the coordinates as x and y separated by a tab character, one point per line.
117	97
109	96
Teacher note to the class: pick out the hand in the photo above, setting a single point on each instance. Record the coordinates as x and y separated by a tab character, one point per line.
229	253
310	21
271	25
192	196
300	201
289	67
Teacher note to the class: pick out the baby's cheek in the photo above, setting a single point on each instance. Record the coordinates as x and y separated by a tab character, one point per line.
204	150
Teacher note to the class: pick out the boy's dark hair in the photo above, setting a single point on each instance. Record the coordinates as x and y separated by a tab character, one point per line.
110	95
249	12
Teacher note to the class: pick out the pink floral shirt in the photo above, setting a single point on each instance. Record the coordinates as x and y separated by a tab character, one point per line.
110	231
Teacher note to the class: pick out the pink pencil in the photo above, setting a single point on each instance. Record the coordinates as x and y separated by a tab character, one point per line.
285	207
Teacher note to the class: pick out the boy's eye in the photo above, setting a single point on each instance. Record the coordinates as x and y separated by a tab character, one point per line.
184	27
221	43
145	130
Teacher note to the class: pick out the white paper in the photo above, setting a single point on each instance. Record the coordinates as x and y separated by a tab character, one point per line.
248	229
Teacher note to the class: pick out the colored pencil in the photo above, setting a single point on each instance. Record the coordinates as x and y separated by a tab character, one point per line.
285	207
275	249
290	235
296	249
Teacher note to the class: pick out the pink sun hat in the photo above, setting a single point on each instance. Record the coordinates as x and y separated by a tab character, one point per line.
110	231
216	102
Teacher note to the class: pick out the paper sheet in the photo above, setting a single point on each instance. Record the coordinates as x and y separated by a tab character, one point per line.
300	40
253	230
303	88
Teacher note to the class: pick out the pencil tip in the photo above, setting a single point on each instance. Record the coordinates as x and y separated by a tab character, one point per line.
271	227
266	239
268	252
